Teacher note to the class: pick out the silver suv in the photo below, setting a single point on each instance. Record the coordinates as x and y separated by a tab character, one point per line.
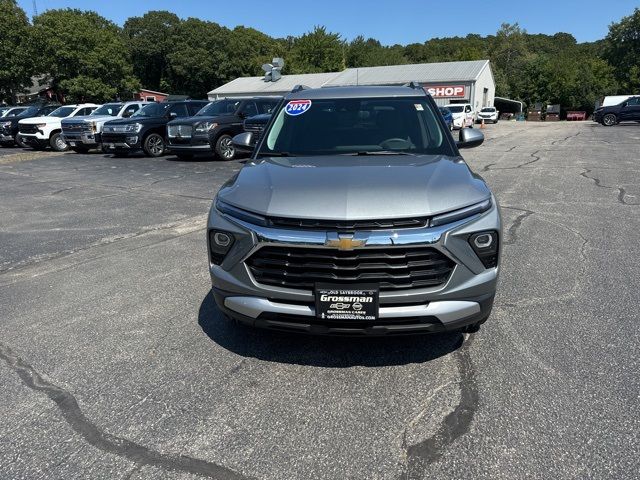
356	215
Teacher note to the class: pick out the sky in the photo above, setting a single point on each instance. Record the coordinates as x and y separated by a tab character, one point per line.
390	22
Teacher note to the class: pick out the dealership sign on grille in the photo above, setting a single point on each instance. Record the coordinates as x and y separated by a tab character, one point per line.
445	91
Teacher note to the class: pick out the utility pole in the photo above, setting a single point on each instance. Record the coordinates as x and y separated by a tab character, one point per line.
35	8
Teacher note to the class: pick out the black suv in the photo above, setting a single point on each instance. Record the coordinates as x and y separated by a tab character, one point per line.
629	110
212	128
9	126
146	129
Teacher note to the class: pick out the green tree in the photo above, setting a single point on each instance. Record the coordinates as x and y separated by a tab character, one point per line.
249	49
370	53
151	38
317	51
201	60
622	50
16	65
84	55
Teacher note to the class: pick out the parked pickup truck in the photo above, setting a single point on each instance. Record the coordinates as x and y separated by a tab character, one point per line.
41	132
84	133
9	135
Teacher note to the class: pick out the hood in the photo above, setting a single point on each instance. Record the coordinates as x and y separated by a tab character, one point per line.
457	114
353	188
223	118
88	118
130	120
38	120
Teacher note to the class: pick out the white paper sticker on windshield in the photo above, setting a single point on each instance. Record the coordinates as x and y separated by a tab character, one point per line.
419	107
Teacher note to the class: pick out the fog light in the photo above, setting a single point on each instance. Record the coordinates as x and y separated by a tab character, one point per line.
485	244
219	245
222	239
132	139
483	241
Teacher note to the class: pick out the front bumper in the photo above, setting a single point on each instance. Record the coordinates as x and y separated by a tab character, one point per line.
121	141
34	139
82	138
465	298
194	144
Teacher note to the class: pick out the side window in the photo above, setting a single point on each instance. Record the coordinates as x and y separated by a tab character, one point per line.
634	102
194	107
130	110
249	109
467	109
267	107
180	109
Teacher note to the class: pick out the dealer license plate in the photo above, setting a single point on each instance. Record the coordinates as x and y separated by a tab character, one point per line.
350	302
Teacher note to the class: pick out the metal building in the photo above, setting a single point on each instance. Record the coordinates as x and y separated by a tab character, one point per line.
448	82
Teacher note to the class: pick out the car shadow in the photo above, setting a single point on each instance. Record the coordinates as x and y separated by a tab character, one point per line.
319	351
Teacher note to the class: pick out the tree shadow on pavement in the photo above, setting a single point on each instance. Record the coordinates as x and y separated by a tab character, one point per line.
318	351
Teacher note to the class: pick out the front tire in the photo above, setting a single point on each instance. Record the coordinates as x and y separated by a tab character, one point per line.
57	143
609	120
154	145
224	148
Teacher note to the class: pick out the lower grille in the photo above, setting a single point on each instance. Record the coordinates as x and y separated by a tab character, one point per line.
28	128
391	268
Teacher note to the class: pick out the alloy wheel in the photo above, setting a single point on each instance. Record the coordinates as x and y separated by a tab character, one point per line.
226	148
609	119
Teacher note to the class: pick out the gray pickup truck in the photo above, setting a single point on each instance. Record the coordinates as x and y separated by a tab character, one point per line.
84	133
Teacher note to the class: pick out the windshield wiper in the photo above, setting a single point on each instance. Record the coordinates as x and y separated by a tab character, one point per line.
379	152
275	154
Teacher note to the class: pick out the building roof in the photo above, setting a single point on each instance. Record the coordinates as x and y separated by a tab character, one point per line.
420	72
387	75
257	85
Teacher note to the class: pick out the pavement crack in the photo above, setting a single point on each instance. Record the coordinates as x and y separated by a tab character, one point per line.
533	155
456	424
560	140
512	231
622	192
106	442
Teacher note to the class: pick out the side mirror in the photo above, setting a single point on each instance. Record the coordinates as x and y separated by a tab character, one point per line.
243	142
470	137
173	115
128	113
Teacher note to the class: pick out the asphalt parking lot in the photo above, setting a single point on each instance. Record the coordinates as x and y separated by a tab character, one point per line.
115	362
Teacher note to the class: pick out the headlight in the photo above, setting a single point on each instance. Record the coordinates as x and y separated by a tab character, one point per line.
5	124
136	127
241	214
204	127
41	125
460	214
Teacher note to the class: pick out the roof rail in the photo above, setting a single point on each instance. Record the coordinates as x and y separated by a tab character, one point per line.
299	88
413	84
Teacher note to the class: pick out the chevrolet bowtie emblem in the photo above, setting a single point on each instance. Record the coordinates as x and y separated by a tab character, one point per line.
344	242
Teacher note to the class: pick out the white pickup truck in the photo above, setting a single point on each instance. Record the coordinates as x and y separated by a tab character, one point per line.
84	133
41	132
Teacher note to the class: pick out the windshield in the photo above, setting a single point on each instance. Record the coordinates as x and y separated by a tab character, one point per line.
455	108
153	110
62	112
29	112
111	109
488	109
218	108
357	126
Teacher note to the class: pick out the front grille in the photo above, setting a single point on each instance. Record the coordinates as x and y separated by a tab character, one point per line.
28	128
392	268
183	131
254	127
347	225
76	127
